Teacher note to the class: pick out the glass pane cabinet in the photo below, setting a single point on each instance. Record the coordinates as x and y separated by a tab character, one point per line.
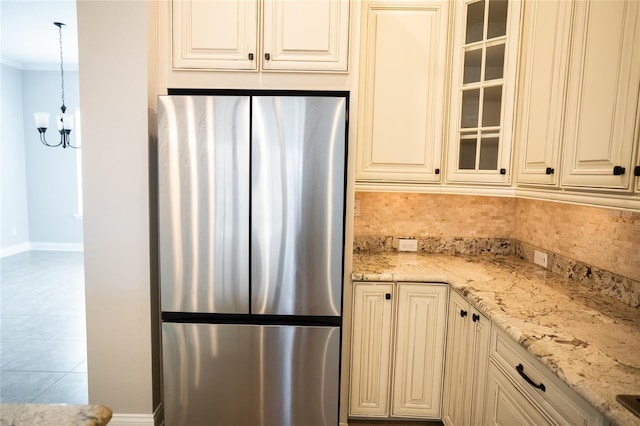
485	44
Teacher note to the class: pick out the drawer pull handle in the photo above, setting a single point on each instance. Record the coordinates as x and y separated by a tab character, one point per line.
520	370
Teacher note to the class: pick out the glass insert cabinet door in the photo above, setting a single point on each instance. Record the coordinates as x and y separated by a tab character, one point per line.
482	90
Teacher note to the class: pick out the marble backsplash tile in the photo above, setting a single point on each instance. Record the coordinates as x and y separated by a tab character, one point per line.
596	246
599	280
608	239
434	215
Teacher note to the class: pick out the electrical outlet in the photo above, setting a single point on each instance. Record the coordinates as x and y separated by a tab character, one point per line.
540	258
407	244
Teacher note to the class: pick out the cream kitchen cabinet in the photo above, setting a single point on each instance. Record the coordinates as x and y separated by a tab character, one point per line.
520	390
483	77
371	349
544	54
507	406
308	35
403	69
467	355
602	96
397	350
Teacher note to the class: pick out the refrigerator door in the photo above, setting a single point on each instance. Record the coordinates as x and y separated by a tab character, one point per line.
254	375
297	210
203	163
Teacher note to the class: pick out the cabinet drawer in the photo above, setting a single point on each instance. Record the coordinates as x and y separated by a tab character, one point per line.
561	403
506	405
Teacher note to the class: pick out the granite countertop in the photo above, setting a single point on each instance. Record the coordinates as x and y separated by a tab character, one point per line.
589	341
53	415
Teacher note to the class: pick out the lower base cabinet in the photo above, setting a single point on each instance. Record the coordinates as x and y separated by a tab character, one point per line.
507	406
398	359
520	390
397	350
467	355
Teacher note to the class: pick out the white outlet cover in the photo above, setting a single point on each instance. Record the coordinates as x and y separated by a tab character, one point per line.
407	244
540	258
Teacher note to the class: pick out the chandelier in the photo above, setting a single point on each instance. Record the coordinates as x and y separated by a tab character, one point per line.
64	121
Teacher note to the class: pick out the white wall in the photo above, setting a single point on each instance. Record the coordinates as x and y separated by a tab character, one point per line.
51	172
113	93
14	224
39	184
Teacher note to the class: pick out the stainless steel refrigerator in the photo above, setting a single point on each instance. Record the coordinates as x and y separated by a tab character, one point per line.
251	232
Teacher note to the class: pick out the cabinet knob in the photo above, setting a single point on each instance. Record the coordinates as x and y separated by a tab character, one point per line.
618	170
387	296
636	171
437	171
475	317
267	56
463	313
503	171
549	171
251	56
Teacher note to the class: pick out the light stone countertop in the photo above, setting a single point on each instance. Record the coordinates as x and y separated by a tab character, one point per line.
589	341
53	415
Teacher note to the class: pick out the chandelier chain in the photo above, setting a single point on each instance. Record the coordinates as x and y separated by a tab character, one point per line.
61	67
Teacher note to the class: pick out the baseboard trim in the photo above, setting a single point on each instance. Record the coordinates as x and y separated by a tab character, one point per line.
14	249
132	420
58	246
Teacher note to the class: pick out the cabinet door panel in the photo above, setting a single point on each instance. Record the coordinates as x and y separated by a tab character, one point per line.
602	95
215	34
481	341
310	35
419	354
370	350
544	66
483	74
402	90
457	391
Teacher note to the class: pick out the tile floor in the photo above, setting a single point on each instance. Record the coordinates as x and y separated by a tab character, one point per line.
43	355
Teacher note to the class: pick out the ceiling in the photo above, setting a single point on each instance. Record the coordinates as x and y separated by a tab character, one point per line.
28	38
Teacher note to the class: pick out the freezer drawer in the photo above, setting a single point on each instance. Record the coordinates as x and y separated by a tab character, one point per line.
231	375
297	206
203	195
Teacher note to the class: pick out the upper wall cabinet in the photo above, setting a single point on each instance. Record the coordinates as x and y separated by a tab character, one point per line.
482	91
402	87
307	35
544	63
215	34
602	95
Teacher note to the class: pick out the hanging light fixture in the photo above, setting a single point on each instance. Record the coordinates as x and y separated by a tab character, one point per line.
64	121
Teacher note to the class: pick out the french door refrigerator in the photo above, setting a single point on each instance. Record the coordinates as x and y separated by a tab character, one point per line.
251	233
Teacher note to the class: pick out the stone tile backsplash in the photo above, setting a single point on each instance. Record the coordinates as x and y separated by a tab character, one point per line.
443	245
598	247
605	238
599	280
434	215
